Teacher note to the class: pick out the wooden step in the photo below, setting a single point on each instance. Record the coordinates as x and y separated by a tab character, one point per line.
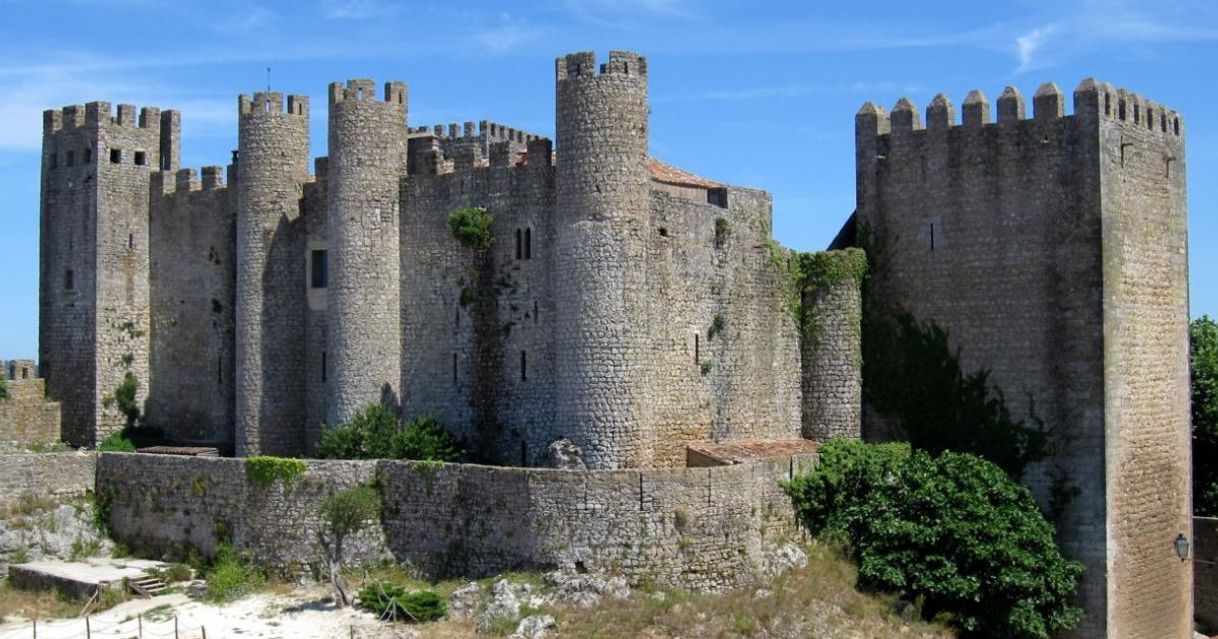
147	586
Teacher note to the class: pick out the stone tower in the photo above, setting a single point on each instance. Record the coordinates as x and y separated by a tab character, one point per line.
602	212
367	163
93	297
272	165
1053	250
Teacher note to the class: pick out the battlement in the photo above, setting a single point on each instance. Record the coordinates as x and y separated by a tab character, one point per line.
486	130
185	181
583	65
100	113
1091	98
272	102
365	90
18	369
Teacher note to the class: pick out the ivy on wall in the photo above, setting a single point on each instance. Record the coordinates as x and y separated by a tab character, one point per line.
265	470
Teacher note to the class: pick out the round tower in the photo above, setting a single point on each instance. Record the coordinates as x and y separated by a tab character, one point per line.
831	354
272	165
602	188
367	162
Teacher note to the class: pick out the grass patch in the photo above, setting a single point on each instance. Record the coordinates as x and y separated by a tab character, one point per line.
229	578
51	603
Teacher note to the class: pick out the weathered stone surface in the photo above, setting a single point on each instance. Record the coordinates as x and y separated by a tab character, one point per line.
564	455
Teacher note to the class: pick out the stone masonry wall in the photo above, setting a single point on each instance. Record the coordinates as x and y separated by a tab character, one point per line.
45	474
26	416
1146	360
831	358
193	280
998	233
272	166
1205	572
702	528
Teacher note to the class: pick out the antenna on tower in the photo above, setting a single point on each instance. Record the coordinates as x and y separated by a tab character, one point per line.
268	79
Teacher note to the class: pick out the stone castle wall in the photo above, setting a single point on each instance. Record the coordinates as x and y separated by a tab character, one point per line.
703	528
27	418
193	281
45	475
1006	235
831	358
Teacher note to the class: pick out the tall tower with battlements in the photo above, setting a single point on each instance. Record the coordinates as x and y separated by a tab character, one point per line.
1053	250
602	217
272	166
366	166
93	282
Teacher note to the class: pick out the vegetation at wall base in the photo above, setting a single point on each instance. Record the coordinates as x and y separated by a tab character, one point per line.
952	531
377	433
345	513
471	227
117	442
1203	340
393	603
229	578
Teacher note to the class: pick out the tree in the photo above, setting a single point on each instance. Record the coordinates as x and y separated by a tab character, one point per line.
1203	339
345	513
952	531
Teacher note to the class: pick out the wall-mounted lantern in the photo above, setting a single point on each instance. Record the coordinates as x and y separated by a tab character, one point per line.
1181	547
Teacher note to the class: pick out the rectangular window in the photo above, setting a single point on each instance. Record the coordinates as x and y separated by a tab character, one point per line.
88	156
116	156
454	368
70	158
524	366
141	158
53	161
323	367
320	269
69	279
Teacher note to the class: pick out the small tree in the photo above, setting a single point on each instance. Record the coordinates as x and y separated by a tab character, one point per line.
1203	338
345	513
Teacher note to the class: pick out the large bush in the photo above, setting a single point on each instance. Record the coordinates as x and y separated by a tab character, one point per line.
393	602
471	226
954	532
377	433
1203	338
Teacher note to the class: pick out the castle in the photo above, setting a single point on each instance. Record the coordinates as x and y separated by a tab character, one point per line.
628	306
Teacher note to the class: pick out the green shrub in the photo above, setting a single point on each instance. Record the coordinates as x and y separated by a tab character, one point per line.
376	433
117	442
1203	339
229	578
716	327
391	601
124	398
264	470
722	230
471	227
954	531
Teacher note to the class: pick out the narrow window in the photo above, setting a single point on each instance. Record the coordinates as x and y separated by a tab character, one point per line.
69	279
697	349
320	269
454	368
1175	123
524	366
536	317
1121	109
932	236
141	158
25	372
518	244
1136	114
70	158
457	319
116	156
528	243
323	367
131	240
53	161
88	156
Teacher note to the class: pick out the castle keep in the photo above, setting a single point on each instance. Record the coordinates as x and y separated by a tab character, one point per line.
642	313
622	304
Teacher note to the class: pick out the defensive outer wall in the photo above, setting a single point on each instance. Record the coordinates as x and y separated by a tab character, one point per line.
703	528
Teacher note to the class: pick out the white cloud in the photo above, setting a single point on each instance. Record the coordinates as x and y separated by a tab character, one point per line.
357	9
1030	43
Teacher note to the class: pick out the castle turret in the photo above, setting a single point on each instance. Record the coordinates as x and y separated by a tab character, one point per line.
602	185
367	161
94	307
272	165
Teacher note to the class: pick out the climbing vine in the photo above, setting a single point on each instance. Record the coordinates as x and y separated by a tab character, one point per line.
471	226
264	470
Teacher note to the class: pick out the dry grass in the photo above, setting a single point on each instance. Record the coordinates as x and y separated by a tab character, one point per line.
41	604
817	601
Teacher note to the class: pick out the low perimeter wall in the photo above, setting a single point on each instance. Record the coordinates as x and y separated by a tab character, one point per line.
693	527
1205	572
55	475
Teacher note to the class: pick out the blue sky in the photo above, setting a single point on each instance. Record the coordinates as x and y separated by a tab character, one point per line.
756	94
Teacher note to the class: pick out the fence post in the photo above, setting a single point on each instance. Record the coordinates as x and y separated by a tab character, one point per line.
204	631
88	629
175	627
140	620
35	629
352	633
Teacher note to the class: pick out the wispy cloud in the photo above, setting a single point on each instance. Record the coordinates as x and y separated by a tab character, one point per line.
505	34
357	9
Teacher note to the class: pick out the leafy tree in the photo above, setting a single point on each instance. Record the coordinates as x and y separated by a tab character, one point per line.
376	433
1203	338
343	514
471	226
913	376
954	532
